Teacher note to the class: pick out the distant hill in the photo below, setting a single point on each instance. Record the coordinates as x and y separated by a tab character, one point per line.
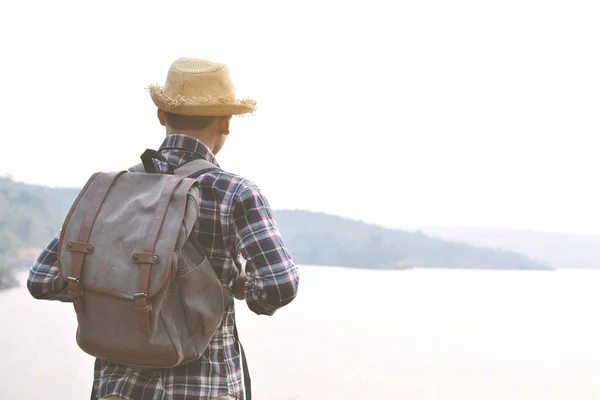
561	250
30	216
323	239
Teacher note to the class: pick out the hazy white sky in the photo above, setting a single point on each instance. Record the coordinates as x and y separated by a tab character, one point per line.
403	113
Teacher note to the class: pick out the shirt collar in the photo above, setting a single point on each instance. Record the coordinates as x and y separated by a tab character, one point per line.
188	148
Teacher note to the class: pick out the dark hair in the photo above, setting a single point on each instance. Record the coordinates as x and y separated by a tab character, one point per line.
179	121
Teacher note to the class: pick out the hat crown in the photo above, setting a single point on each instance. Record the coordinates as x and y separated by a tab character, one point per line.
194	77
199	87
196	65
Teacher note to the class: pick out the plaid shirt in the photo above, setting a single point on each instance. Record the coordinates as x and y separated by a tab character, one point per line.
235	218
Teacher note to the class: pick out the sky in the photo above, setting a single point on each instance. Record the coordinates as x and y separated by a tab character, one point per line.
407	113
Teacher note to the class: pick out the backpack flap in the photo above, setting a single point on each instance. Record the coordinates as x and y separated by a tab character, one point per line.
121	233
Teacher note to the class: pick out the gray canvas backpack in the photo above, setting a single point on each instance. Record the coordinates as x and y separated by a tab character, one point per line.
143	289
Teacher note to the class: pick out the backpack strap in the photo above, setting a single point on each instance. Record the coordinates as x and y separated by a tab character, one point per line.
137	168
195	168
247	382
192	169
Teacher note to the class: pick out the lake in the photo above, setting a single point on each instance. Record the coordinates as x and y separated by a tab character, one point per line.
360	334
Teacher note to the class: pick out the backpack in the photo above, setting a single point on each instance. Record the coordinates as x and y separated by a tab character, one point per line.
143	289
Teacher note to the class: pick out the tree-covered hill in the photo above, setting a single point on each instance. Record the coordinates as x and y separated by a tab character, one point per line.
30	215
322	239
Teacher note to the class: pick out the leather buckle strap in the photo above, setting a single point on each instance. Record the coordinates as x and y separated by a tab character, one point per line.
143	308
81	247
76	293
146	258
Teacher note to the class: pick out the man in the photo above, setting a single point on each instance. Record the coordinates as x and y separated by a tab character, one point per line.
195	106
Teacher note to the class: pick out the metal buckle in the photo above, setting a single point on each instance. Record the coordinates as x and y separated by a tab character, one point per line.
75	280
140	295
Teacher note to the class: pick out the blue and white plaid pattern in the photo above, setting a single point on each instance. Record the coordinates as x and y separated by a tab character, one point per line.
235	218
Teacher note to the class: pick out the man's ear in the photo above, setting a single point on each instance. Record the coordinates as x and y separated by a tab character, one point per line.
224	124
161	117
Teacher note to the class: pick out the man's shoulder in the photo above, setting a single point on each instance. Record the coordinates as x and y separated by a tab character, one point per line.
235	184
222	180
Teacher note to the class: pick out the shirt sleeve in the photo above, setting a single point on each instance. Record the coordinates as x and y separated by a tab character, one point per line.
273	276
44	281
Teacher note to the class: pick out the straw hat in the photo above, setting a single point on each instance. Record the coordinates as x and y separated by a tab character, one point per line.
199	87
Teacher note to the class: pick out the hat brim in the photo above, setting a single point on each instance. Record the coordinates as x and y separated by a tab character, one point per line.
201	105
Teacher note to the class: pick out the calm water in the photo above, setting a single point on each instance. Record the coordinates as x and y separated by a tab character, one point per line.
351	334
